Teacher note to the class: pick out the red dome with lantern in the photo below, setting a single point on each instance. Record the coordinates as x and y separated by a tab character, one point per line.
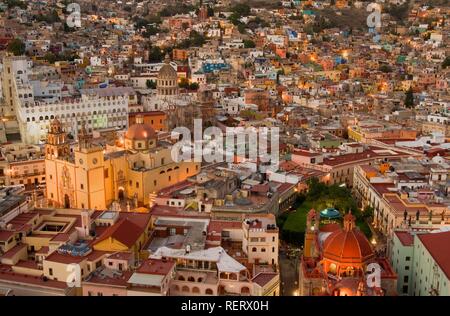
348	245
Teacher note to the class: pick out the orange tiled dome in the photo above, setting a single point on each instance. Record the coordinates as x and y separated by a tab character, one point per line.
348	245
140	131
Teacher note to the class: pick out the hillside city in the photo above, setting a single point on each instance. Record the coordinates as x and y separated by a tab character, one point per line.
224	148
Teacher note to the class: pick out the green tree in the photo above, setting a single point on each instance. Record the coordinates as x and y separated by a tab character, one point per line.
446	62
17	47
241	28
155	54
193	86
16	3
249	44
50	57
184	83
409	98
150	84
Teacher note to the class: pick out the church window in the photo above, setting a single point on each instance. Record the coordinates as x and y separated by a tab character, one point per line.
82	186
106	173
162	161
254	249
154	182
170	178
137	185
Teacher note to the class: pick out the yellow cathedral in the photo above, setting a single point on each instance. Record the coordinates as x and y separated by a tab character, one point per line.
88	178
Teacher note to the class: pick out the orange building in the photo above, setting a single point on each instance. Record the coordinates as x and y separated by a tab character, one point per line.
179	54
259	97
336	259
156	119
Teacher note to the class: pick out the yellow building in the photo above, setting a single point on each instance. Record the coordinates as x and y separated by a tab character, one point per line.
89	178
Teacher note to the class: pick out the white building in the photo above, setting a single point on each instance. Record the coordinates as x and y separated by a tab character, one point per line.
422	263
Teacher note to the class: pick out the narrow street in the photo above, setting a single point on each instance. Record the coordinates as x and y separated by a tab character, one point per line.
288	274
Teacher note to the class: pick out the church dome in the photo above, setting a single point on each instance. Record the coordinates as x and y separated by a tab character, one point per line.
140	131
348	245
167	72
55	126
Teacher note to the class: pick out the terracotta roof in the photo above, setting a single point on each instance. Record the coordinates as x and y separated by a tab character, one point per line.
437	246
405	238
43	251
124	231
121	256
30	264
121	280
5	235
147	113
156	266
330	227
264	277
61	237
7	275
348	245
13	251
140	131
218	226
63	258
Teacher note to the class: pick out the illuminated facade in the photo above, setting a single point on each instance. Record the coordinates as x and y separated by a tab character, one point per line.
335	262
91	178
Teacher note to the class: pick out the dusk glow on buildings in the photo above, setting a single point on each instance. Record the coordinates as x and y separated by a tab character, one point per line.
224	148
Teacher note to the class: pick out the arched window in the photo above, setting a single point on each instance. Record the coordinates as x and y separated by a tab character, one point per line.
209	292
254	249
181	278
191	279
195	290
185	288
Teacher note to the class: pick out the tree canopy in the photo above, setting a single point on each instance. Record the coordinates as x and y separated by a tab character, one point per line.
17	47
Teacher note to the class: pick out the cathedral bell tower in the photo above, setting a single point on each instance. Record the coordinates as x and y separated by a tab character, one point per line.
90	165
57	145
312	229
